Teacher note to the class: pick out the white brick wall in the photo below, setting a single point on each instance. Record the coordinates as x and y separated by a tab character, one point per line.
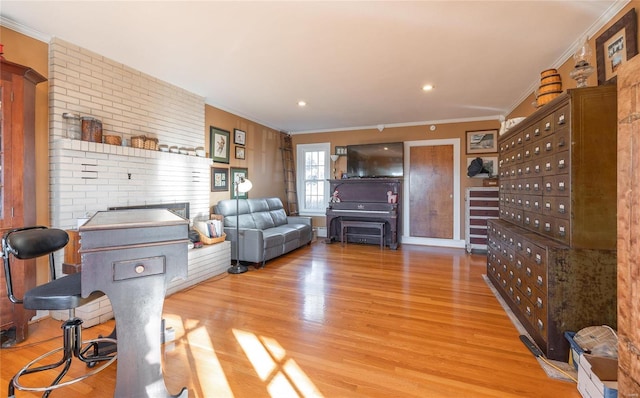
88	177
128	102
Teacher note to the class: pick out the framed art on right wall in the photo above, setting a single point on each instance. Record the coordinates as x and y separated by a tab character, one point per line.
615	46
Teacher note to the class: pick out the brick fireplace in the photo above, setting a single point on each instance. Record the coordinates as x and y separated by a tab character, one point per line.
87	177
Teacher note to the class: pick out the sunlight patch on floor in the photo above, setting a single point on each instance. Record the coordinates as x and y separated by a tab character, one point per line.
283	376
211	377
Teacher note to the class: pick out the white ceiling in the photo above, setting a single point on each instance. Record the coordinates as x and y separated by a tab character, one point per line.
356	63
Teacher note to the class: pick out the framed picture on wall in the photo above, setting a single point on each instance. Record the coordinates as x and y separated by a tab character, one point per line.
219	179
490	164
239	137
239	152
236	173
482	141
615	46
219	145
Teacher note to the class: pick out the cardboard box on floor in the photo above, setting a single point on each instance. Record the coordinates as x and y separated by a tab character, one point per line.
597	377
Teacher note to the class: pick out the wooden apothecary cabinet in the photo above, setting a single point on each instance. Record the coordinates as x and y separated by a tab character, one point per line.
552	254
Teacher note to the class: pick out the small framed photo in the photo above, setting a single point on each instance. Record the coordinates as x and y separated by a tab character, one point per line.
239	137
482	141
219	145
236	173
341	150
489	166
239	152
616	46
219	179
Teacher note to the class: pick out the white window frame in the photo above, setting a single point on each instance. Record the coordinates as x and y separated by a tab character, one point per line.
301	150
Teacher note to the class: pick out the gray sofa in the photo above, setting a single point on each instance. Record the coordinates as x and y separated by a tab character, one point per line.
265	229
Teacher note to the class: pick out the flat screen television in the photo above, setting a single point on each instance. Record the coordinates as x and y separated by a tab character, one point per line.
375	160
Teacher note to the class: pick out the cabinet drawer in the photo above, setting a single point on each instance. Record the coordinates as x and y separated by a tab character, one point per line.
557	206
532	203
481	193
562	162
483	212
562	139
561	117
548	165
532	185
557	185
483	203
138	268
547	125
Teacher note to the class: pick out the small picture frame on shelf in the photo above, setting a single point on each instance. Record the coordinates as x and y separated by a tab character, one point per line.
239	152
341	150
239	137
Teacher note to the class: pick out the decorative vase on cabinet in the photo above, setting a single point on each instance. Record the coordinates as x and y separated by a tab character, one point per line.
17	184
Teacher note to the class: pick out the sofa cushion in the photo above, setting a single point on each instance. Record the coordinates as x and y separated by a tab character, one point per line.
272	238
289	234
279	217
263	220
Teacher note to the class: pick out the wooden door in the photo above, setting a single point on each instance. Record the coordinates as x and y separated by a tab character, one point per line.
629	228
431	191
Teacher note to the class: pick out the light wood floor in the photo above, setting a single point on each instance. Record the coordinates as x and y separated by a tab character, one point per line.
332	321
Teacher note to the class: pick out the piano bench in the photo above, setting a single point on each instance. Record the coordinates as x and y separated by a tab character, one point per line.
362	224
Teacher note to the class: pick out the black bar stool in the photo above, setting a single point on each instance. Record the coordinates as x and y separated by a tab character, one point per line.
57	294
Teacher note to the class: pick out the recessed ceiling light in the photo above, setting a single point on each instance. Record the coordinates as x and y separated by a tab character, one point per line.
302	103
427	87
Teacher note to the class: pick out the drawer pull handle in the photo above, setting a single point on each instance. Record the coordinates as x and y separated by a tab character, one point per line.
548	186
540	325
561	186
528	311
536	150
539	302
547	126
536	132
548	147
539	281
139	269
537	168
561	142
538	259
528	271
547	166
527	137
561	209
561	231
561	164
529	292
561	118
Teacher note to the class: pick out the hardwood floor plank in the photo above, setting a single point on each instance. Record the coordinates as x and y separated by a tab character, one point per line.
336	321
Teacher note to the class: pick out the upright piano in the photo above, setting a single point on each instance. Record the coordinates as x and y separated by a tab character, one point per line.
365	199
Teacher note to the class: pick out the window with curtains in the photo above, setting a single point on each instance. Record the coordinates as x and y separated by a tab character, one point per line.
312	175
